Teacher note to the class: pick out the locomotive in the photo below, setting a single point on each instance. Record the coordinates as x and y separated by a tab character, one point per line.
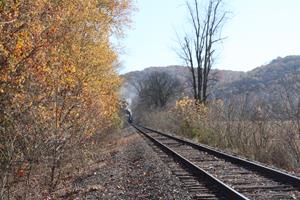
129	115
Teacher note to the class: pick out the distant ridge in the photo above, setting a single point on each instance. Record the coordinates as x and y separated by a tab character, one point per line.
265	83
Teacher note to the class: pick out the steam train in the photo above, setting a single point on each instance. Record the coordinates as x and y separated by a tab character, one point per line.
129	115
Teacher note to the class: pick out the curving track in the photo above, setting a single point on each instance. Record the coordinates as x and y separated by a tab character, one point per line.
226	176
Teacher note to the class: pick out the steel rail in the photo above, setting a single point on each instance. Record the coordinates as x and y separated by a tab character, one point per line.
267	171
224	189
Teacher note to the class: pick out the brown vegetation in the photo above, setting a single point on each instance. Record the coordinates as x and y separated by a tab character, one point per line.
257	136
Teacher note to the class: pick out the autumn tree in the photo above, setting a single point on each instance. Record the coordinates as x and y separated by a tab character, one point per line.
197	49
58	84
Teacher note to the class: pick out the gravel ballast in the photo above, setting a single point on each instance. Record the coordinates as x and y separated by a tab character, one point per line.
132	171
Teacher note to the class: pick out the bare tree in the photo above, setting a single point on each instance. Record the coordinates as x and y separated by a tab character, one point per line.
157	90
197	49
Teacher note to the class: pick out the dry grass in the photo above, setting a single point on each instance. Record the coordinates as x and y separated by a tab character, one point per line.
275	142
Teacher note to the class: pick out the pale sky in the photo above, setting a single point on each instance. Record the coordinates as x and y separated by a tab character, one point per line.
257	32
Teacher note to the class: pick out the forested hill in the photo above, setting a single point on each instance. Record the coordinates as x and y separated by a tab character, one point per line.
219	78
266	83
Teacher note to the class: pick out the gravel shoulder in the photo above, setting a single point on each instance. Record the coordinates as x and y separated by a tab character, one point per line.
129	169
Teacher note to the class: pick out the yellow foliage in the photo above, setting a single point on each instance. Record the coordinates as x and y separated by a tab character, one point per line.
65	47
190	110
57	76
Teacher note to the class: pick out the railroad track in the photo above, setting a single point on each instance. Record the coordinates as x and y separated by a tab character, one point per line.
213	174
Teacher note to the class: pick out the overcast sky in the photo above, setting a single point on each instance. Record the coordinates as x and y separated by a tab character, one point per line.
257	32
